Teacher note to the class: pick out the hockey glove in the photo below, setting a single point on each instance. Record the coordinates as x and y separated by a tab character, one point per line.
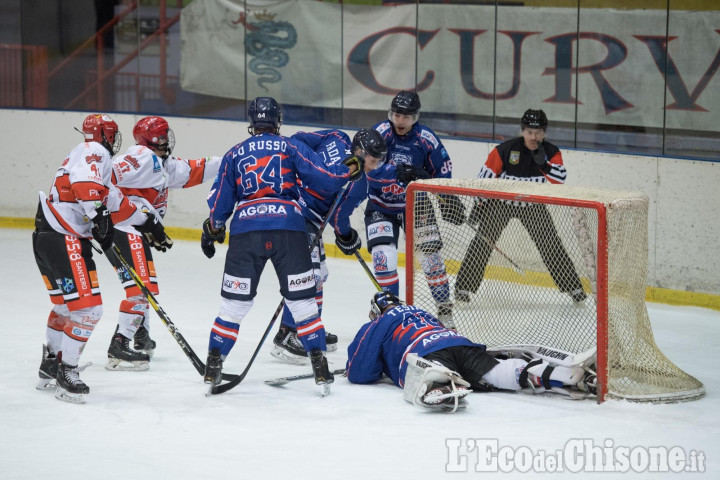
475	214
103	229
154	233
207	242
348	244
452	209
359	162
539	158
407	173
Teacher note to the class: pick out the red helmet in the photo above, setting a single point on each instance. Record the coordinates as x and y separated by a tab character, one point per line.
102	129
154	132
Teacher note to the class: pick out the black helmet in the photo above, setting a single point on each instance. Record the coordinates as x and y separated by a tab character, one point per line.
381	301
371	142
406	103
264	112
534	119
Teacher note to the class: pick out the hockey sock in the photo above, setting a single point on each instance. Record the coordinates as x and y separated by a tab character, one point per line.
319	301
385	262
58	318
311	333
389	281
434	269
287	318
133	312
77	332
223	336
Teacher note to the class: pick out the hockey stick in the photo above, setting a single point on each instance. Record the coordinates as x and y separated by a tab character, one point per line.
367	270
222	388
184	345
515	266
278	382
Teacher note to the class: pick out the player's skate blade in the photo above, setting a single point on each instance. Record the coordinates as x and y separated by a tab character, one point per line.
65	396
46	384
116	364
287	357
325	389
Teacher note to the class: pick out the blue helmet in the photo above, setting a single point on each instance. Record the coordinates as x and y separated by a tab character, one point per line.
371	142
264	112
406	103
381	301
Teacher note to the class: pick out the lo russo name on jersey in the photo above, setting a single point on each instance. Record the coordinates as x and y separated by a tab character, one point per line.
262	144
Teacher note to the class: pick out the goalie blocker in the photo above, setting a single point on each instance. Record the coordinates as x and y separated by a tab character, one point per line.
437	367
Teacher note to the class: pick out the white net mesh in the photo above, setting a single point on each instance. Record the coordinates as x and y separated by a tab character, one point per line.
542	264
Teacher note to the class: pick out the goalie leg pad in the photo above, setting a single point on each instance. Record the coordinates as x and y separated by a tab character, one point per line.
507	374
540	373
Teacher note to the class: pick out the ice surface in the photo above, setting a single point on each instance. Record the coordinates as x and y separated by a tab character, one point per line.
159	425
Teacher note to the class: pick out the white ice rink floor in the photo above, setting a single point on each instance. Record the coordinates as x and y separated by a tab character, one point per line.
159	425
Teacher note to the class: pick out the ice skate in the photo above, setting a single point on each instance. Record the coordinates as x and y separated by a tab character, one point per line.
446	396
69	386
122	357
331	341
588	384
47	371
213	370
578	295
143	343
462	296
445	315
288	348
323	375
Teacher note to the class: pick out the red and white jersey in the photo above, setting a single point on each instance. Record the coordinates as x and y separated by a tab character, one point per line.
81	185
145	178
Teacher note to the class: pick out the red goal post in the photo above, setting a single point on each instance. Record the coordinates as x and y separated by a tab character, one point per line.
554	265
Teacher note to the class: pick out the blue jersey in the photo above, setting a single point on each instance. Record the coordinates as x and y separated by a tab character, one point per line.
332	147
381	346
421	148
258	184
355	194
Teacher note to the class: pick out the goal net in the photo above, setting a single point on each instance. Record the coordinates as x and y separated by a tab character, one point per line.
539	264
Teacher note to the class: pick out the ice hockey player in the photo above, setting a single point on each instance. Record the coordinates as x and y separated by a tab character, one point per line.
436	366
527	158
332	146
414	152
257	186
83	204
144	174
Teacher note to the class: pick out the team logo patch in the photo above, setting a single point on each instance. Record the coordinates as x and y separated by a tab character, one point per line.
301	281
380	261
424	134
236	285
380	229
68	285
401	157
514	158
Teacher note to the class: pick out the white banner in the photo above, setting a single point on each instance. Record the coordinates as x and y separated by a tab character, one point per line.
323	55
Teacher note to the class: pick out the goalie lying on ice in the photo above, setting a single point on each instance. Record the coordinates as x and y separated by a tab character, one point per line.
437	367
